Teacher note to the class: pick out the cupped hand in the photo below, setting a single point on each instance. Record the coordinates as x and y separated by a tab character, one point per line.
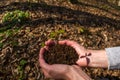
87	57
80	50
60	71
55	71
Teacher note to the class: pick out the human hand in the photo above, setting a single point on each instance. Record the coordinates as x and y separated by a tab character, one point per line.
91	58
60	71
80	50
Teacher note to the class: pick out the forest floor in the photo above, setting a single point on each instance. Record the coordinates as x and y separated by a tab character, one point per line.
93	24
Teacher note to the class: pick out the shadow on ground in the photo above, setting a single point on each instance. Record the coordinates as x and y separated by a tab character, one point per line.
72	16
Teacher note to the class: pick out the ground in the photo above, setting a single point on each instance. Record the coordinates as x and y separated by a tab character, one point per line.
93	24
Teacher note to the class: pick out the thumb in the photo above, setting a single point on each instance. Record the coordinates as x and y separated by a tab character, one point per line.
82	61
46	73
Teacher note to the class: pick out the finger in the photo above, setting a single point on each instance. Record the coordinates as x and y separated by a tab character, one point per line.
76	66
73	44
83	61
42	62
67	42
50	42
46	48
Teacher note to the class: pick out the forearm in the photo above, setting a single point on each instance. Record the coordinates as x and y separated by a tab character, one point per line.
98	58
108	58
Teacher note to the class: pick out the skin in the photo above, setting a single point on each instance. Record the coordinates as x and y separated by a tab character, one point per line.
91	58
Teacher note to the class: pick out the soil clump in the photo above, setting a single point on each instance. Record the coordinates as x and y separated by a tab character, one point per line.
61	54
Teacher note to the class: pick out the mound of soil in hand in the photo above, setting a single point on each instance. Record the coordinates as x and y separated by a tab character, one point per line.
61	54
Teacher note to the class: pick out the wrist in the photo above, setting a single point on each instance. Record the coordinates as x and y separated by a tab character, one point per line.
98	58
77	74
68	74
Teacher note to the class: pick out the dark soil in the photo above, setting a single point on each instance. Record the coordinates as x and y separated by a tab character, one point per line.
61	54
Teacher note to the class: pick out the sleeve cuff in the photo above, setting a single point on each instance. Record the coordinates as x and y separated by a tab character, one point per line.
113	55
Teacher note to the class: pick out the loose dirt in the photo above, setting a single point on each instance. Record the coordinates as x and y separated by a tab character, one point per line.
61	54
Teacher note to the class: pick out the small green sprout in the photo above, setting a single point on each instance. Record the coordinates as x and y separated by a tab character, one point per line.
23	62
42	44
56	33
53	34
81	30
61	31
